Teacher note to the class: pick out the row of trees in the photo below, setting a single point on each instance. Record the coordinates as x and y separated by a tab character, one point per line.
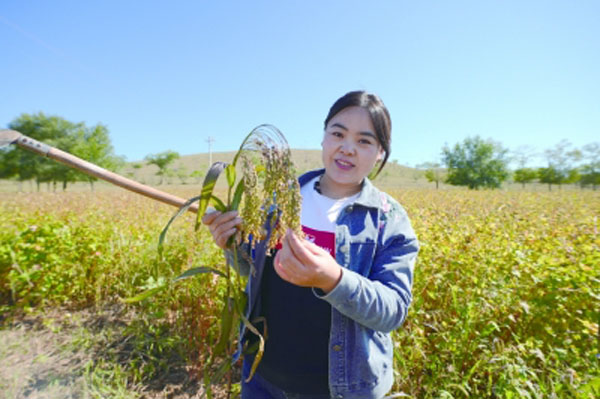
477	163
90	143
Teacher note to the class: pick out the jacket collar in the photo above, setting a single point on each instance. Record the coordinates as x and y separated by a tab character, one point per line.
369	196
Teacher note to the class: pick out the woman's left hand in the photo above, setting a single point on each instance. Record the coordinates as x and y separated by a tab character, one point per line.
303	263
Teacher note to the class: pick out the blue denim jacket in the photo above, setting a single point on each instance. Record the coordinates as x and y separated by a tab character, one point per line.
377	248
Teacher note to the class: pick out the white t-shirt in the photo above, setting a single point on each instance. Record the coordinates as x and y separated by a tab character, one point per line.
319	214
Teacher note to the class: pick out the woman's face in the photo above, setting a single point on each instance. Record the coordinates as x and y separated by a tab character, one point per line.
350	150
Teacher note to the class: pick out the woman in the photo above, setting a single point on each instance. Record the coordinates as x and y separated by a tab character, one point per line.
331	301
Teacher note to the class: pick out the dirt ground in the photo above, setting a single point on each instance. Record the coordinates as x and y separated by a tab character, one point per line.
57	355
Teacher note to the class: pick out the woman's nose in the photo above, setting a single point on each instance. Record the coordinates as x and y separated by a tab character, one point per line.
347	148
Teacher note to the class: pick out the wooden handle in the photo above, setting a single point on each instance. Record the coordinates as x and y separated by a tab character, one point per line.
131	185
101	173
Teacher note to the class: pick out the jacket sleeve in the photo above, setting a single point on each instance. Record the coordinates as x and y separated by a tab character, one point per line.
380	301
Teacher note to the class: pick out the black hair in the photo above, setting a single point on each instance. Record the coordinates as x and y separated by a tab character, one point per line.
380	117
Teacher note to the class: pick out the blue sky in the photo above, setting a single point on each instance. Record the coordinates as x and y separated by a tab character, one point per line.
167	75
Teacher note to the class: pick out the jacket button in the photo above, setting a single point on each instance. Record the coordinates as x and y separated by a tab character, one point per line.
339	396
343	249
337	348
349	209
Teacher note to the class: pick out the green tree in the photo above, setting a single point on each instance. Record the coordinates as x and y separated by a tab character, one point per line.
93	144
561	160
197	175
135	166
525	175
182	174
59	173
550	175
163	161
24	165
590	171
522	155
475	163
433	172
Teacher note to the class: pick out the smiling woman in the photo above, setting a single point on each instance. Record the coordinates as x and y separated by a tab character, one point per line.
350	150
331	300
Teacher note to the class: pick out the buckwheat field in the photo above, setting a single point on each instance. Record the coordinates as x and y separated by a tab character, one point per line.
506	297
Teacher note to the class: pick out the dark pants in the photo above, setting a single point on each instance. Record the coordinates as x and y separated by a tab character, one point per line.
259	388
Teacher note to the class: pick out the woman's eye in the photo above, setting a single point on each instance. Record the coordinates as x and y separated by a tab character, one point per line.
337	134
364	141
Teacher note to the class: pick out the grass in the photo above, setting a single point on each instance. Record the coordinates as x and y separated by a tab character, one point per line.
505	299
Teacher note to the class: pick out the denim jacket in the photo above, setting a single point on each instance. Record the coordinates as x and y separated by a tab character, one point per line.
377	248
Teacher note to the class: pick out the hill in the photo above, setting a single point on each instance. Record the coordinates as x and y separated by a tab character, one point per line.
393	175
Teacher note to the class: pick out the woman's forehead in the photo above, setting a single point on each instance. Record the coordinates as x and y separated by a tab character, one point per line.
355	119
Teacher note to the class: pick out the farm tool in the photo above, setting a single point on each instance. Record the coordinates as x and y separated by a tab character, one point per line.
8	137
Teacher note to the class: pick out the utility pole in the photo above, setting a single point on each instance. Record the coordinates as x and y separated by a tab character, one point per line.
210	140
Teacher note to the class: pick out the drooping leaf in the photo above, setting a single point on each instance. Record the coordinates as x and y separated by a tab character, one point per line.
144	295
207	188
198	270
181	210
261	347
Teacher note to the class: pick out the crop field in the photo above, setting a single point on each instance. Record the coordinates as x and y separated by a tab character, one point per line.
506	298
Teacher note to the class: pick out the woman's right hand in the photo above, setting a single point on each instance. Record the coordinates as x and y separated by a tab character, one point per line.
222	225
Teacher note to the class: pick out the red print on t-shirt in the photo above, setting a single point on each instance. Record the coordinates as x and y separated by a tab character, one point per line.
324	239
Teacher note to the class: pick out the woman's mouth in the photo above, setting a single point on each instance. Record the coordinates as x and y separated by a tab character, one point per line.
344	165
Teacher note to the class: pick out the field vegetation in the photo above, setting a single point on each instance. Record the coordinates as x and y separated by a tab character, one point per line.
506	296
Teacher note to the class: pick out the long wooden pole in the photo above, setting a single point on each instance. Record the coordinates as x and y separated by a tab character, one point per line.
94	170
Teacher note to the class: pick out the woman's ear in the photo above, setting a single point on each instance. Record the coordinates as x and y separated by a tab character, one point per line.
380	154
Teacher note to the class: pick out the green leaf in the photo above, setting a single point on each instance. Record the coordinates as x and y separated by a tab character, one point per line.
592	387
241	300
181	210
237	197
221	371
230	174
198	270
219	205
144	295
207	384
226	324
207	188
